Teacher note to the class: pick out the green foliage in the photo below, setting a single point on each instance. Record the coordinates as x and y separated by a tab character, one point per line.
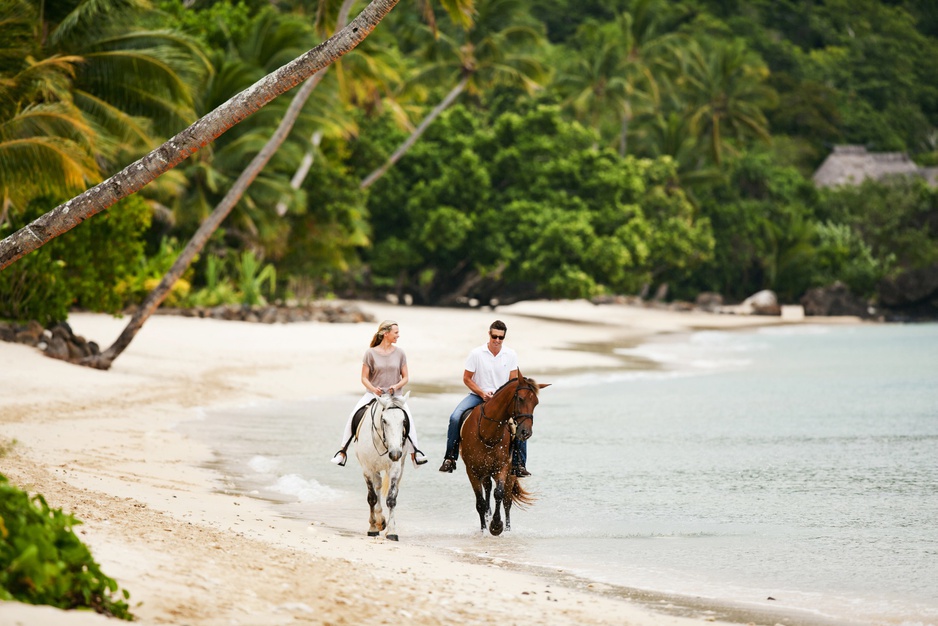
42	561
149	271
252	276
896	219
842	255
526	202
85	267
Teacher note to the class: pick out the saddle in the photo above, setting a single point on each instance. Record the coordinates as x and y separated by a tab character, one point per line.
465	414
360	413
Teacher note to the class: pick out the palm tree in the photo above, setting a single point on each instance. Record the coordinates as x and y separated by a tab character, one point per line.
208	227
133	177
132	81
46	145
495	50
614	69
724	84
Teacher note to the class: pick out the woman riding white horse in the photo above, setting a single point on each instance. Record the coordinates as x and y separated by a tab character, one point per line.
379	447
384	370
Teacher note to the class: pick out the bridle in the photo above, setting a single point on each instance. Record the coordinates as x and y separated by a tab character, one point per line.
375	430
515	417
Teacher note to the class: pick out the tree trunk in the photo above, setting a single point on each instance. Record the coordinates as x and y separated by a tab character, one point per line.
414	136
305	165
136	175
153	300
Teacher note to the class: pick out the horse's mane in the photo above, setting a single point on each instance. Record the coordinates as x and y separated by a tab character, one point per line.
537	390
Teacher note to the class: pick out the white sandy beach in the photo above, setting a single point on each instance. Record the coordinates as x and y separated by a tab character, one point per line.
102	445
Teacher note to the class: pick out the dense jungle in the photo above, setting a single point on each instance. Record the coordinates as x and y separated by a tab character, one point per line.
476	152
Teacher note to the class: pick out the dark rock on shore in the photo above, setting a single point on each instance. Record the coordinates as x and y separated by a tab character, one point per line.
912	295
835	299
333	313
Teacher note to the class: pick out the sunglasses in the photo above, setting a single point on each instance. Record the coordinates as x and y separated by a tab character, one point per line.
497	337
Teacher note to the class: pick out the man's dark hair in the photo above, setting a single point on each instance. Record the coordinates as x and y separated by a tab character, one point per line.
498	325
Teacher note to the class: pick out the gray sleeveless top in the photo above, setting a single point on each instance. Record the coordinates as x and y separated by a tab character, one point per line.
384	370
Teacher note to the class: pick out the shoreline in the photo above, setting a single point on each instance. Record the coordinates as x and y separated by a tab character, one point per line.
101	445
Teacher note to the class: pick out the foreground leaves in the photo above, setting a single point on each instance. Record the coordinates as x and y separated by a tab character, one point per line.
42	561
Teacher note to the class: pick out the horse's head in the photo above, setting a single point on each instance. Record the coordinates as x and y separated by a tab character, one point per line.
522	409
390	421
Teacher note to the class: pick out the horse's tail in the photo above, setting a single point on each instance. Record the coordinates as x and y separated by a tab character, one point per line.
518	495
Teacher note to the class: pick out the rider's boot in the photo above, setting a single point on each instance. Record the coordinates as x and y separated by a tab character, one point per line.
340	458
448	466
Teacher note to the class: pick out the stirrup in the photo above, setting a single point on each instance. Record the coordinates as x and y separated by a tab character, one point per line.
420	458
340	458
448	466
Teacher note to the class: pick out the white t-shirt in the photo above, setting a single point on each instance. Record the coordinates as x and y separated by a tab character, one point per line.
490	371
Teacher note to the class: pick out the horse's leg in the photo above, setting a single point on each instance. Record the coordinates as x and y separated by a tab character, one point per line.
509	485
480	499
496	527
487	484
396	472
376	517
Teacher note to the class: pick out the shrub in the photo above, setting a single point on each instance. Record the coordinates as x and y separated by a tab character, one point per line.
42	561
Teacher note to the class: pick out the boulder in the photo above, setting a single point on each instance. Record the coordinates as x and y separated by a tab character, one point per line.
763	302
709	301
910	288
834	299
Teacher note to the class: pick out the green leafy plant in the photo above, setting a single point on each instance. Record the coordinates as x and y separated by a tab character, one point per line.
251	278
42	561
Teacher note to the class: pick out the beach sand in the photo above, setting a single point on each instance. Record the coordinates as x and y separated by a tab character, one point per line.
102	446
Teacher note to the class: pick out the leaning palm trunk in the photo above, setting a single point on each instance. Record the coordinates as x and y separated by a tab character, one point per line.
209	226
218	215
136	175
414	136
306	164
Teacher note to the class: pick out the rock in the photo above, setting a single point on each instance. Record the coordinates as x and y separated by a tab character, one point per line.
31	334
911	288
835	299
709	301
763	302
58	348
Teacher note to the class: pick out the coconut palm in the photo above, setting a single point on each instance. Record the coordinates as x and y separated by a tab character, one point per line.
365	22
613	71
496	50
133	177
724	86
46	145
133	82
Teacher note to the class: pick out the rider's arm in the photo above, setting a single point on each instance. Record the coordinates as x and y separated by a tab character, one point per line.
404	378
473	387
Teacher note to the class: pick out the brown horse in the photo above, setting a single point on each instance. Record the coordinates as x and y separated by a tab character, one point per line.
486	438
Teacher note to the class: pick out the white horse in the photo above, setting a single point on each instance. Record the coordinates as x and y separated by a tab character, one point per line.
379	446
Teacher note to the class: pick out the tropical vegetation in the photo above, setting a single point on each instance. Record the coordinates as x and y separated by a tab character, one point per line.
42	561
469	151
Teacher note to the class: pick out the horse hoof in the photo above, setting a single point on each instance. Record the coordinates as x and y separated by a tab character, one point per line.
392	537
372	533
496	529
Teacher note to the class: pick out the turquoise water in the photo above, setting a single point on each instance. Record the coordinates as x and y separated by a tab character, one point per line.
783	475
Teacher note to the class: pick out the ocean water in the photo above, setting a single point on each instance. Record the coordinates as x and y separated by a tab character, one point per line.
785	475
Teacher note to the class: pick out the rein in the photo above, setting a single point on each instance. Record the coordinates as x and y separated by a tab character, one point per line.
374	427
514	418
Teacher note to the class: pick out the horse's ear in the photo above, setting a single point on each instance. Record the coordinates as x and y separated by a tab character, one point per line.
405	396
542	385
384	400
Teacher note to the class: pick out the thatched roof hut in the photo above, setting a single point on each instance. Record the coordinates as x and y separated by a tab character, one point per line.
851	165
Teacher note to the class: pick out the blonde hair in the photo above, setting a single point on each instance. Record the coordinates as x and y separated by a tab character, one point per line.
383	328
